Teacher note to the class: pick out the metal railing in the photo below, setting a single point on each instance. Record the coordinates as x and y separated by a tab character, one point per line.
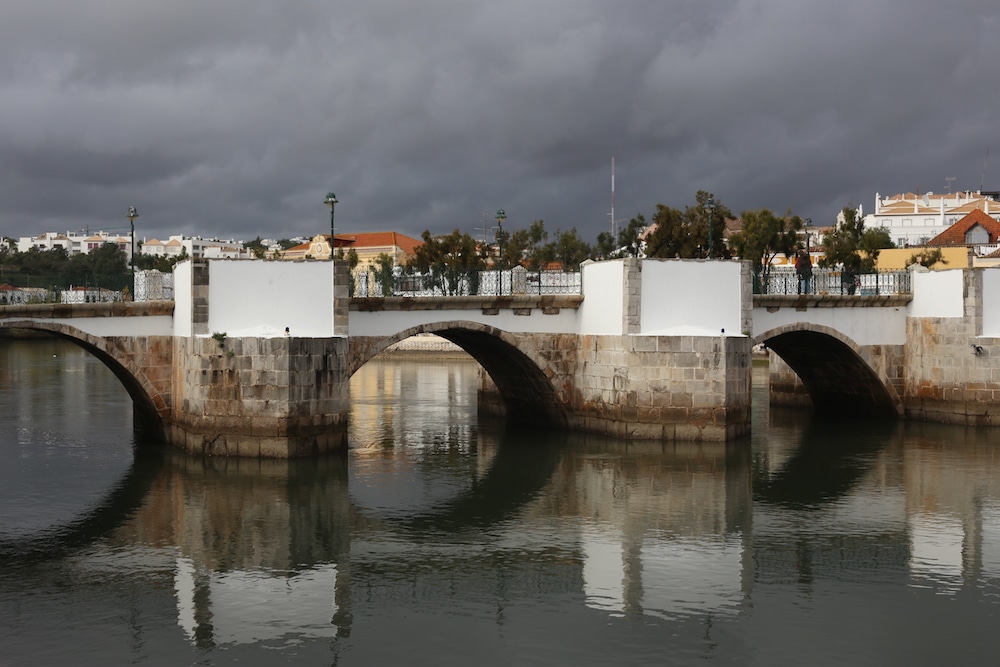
21	288
466	283
150	285
833	281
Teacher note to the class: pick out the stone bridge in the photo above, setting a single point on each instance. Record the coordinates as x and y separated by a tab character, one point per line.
931	355
254	358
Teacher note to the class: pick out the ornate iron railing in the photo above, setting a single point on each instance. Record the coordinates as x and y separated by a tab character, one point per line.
465	283
833	281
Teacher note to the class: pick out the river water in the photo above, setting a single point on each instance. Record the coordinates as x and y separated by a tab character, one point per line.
441	540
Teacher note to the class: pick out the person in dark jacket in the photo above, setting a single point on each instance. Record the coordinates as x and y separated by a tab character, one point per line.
804	270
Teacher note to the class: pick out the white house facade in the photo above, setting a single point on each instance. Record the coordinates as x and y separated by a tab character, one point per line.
913	220
194	247
74	242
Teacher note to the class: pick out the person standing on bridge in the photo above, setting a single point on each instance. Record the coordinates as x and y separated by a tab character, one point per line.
804	270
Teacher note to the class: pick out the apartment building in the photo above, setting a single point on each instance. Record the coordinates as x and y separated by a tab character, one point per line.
913	220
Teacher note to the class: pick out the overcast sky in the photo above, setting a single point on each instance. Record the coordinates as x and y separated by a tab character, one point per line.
233	118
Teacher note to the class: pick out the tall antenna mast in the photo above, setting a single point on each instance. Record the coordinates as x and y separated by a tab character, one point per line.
485	229
614	223
614	231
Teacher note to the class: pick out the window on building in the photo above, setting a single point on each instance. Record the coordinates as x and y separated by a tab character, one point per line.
977	235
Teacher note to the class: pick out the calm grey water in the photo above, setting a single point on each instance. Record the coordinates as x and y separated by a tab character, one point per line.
439	540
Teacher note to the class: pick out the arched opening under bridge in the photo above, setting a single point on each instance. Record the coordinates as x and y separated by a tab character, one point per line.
529	396
834	372
146	399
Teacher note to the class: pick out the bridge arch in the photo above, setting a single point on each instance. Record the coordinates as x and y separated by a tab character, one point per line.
149	405
522	379
835	371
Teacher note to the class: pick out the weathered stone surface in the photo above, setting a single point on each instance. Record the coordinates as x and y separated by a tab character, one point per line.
259	397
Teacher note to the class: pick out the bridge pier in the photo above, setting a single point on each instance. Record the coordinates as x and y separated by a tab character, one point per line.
694	388
953	347
259	397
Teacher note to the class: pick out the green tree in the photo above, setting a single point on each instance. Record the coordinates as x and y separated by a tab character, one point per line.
523	245
851	246
763	237
383	266
446	260
627	242
257	248
671	236
352	258
605	246
108	260
78	271
686	234
567	249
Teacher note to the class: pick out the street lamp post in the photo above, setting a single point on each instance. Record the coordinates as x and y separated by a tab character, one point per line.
710	206
501	216
132	215
331	201
809	222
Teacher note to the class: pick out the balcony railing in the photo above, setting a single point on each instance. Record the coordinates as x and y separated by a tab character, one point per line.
466	283
834	281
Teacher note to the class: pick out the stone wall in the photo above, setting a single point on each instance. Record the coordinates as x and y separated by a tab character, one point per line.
149	378
266	397
953	375
785	388
686	388
663	387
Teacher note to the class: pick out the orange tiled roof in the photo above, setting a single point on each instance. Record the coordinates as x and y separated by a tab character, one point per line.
384	239
955	235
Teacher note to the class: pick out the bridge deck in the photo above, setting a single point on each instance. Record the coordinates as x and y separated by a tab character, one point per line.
804	301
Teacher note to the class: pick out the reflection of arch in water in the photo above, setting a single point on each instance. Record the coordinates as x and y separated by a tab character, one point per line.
826	465
837	373
149	404
523	465
99	521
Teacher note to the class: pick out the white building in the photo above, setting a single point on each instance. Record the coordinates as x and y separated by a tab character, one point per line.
912	219
194	247
74	242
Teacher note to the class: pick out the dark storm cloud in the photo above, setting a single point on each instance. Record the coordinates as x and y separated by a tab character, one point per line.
233	119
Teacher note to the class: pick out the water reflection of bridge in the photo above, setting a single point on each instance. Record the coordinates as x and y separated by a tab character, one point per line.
258	549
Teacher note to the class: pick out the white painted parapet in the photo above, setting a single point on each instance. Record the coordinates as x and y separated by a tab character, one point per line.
991	303
692	298
937	293
254	298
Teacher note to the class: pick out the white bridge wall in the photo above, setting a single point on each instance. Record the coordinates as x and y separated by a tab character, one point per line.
865	326
675	297
153	325
259	298
691	298
938	293
991	303
602	309
390	322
